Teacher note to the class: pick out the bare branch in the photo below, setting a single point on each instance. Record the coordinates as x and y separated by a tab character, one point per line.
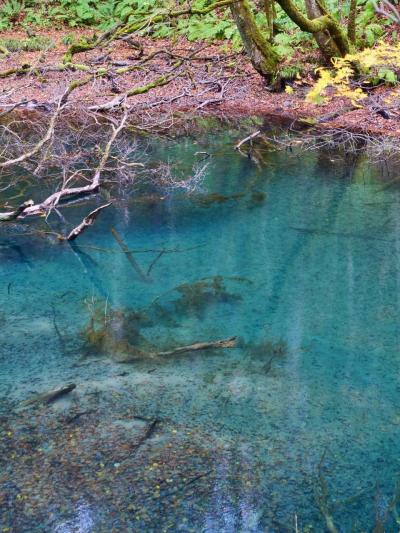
49	134
86	222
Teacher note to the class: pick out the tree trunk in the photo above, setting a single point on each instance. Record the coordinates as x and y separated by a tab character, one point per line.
337	44
269	10
324	39
261	53
351	25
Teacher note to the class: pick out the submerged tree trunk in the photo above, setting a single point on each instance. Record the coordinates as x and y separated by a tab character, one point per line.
261	53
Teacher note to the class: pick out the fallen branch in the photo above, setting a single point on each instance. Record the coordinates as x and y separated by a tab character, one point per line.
120	99
247	139
155	261
51	396
86	222
47	137
129	255
67	192
146	435
224	343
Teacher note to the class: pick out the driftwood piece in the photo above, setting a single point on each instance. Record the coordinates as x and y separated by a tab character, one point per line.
86	222
50	396
224	343
129	255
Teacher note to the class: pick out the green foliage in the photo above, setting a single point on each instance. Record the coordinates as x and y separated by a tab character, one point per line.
77	12
68	39
9	13
370	29
284	44
287	43
206	28
387	75
105	13
31	44
290	72
216	25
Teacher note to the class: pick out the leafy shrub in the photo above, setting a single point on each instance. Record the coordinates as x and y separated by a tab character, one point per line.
371	66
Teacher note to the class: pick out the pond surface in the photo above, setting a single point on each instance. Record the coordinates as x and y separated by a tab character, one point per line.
297	425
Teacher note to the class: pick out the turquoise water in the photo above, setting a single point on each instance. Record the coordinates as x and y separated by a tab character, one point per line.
299	422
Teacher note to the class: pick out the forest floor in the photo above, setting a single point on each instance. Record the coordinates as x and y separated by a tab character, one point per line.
214	81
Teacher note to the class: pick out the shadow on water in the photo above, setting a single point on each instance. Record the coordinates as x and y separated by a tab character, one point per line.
114	418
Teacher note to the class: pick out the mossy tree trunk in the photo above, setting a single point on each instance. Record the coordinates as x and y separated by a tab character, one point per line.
338	45
351	24
261	53
324	39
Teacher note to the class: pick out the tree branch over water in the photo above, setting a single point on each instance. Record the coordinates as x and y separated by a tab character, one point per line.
67	190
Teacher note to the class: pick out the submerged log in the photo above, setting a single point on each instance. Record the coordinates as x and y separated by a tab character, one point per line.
134	354
129	255
224	343
51	396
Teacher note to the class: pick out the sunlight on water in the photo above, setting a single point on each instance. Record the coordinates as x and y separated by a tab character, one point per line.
298	259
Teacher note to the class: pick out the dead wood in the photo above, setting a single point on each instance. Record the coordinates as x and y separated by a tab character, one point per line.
86	222
129	255
51	396
65	193
133	353
154	262
146	435
247	139
224	343
45	139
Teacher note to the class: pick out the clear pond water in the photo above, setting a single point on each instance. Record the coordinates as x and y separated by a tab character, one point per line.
298	425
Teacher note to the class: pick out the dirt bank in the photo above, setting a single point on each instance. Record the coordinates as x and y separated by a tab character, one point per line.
211	79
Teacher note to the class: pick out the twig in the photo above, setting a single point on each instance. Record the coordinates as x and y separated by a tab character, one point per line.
12	215
155	261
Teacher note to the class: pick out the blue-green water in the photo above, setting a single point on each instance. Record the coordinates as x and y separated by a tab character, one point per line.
301	418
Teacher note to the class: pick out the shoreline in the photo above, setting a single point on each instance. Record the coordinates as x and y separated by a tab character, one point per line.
219	84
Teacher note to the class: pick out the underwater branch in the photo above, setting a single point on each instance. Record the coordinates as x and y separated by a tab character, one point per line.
225	343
